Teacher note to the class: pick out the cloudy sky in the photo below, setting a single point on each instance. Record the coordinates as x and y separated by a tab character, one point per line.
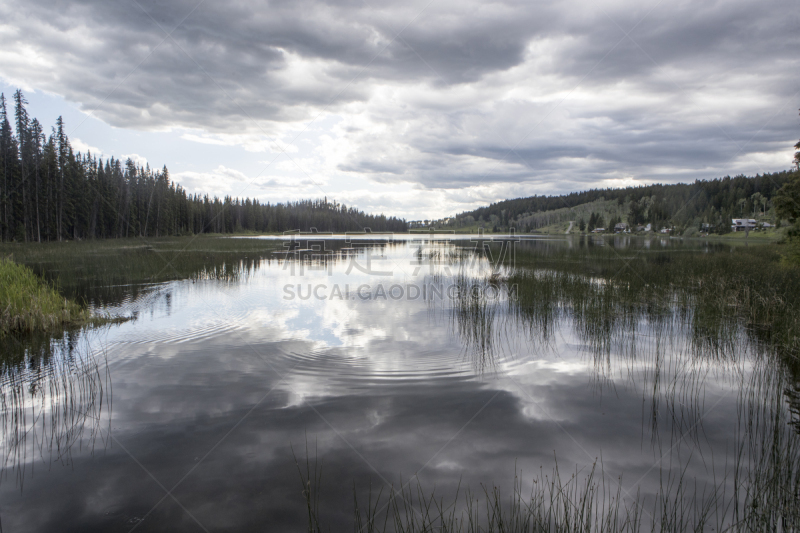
416	108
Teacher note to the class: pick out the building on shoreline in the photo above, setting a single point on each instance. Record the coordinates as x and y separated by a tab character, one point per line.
743	224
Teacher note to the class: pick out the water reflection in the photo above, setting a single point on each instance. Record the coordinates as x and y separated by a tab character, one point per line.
55	401
519	363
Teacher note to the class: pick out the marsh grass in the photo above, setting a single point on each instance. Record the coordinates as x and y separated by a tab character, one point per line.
767	465
593	502
29	304
474	320
311	480
55	398
108	271
577	504
715	293
723	299
55	392
674	319
758	490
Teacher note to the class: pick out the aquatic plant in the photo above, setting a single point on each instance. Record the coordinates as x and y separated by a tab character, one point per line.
758	490
55	396
27	303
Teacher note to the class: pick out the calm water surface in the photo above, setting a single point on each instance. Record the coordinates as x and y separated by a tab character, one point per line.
186	418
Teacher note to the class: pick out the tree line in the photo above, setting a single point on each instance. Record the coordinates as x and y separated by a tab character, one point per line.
714	202
596	220
787	204
48	192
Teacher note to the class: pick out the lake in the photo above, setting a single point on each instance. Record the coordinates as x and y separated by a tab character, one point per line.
411	366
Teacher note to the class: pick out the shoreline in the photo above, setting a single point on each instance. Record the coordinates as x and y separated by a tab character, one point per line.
28	304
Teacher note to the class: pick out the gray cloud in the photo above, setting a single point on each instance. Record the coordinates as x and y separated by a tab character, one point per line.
531	94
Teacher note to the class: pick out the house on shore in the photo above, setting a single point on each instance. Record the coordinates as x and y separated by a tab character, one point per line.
743	224
620	227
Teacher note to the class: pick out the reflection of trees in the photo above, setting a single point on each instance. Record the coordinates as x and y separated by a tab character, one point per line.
55	396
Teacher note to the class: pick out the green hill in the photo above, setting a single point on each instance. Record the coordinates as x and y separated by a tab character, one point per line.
681	206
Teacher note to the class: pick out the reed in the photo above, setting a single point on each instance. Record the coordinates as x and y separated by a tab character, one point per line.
27	303
669	317
103	272
758	490
55	397
715	293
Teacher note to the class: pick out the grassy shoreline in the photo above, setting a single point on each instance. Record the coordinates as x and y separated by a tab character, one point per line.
105	272
30	304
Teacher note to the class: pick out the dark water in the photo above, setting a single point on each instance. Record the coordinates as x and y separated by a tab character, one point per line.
188	417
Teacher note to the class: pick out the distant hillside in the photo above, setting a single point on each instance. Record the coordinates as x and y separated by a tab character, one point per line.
681	205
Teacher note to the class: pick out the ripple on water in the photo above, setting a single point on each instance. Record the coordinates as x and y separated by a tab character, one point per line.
359	368
196	333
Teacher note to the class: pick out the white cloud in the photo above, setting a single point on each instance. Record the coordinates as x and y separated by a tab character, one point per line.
220	181
80	146
251	143
136	158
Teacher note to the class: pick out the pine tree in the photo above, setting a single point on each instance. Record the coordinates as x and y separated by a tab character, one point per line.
796	160
62	154
49	192
8	167
20	190
592	222
37	139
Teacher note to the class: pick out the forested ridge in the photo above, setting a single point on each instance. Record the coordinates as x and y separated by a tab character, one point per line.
50	193
714	202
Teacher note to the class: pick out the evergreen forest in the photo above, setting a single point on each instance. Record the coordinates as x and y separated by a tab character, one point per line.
48	192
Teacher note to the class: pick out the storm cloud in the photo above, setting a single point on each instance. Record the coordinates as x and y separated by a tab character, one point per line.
464	98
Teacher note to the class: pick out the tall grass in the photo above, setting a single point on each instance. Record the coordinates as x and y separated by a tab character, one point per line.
108	271
553	504
55	397
715	293
674	315
27	303
757	491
